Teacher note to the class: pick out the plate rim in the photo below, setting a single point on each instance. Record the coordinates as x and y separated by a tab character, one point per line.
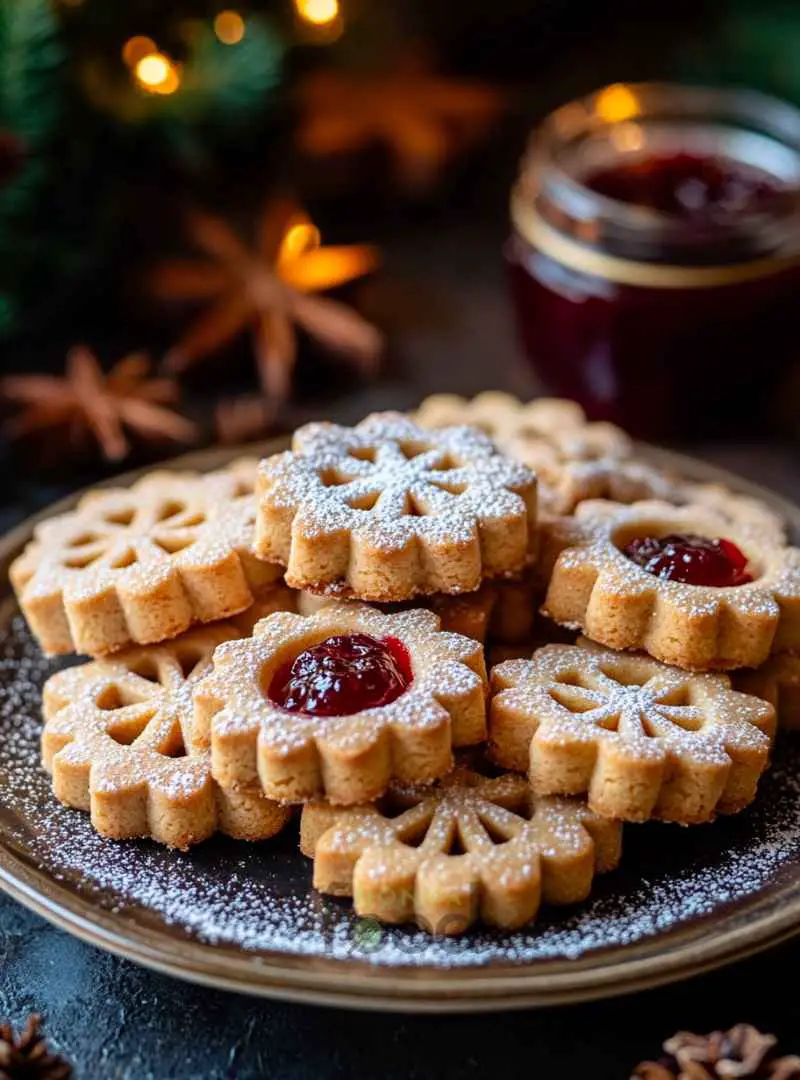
357	984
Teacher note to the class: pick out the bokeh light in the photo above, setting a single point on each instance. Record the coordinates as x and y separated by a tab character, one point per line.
616	103
157	74
318	12
229	26
136	48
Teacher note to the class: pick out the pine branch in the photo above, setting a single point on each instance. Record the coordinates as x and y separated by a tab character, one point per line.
30	55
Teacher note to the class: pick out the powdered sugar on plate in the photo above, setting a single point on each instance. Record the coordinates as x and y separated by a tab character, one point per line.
258	897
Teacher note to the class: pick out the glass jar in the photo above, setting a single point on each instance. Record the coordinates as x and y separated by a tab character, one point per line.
655	255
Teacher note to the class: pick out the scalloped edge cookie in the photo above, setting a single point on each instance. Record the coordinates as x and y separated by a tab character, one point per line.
594	587
114	745
141	565
348	759
397	863
638	738
387	511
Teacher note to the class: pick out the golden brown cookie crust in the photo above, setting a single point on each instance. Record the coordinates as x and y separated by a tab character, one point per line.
114	744
387	511
503	611
142	564
399	866
640	739
594	587
778	682
348	759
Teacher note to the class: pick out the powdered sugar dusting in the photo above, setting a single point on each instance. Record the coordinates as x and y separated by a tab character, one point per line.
387	480
258	897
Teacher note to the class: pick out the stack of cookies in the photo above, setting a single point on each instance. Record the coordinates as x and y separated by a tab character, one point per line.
312	631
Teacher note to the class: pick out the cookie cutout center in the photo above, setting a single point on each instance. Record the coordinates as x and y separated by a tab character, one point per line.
690	559
342	675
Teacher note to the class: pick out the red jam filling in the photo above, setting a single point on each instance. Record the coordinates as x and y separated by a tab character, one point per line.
687	185
694	560
343	675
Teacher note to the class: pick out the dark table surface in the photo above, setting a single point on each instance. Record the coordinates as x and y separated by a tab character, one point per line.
115	1020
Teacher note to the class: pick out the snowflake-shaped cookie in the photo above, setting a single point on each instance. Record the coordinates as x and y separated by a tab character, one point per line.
115	744
576	460
387	511
641	739
143	564
348	759
596	588
469	848
573	459
778	682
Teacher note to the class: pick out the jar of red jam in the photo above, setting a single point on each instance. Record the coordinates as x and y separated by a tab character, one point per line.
655	255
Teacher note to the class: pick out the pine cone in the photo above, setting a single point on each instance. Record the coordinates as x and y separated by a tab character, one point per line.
27	1057
742	1053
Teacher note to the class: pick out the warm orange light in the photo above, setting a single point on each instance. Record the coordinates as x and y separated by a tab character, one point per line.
617	103
157	74
627	137
229	27
317	12
136	48
298	239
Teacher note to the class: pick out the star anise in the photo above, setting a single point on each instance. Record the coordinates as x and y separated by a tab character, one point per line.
421	118
742	1053
86	401
27	1057
269	288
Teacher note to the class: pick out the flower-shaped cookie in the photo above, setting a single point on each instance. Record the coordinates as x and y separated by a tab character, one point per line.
778	682
641	739
387	511
114	744
573	459
142	564
597	588
469	848
503	416
349	758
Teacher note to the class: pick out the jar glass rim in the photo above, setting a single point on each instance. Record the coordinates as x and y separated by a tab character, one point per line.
622	109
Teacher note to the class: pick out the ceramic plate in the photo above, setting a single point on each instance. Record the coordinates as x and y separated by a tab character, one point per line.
243	917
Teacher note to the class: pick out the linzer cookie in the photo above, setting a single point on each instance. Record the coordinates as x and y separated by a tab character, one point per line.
778	682
142	564
469	848
387	511
340	703
640	739
684	584
114	742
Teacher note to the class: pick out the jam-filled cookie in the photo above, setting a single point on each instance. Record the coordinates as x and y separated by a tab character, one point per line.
685	584
640	739
114	743
468	848
340	703
386	511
